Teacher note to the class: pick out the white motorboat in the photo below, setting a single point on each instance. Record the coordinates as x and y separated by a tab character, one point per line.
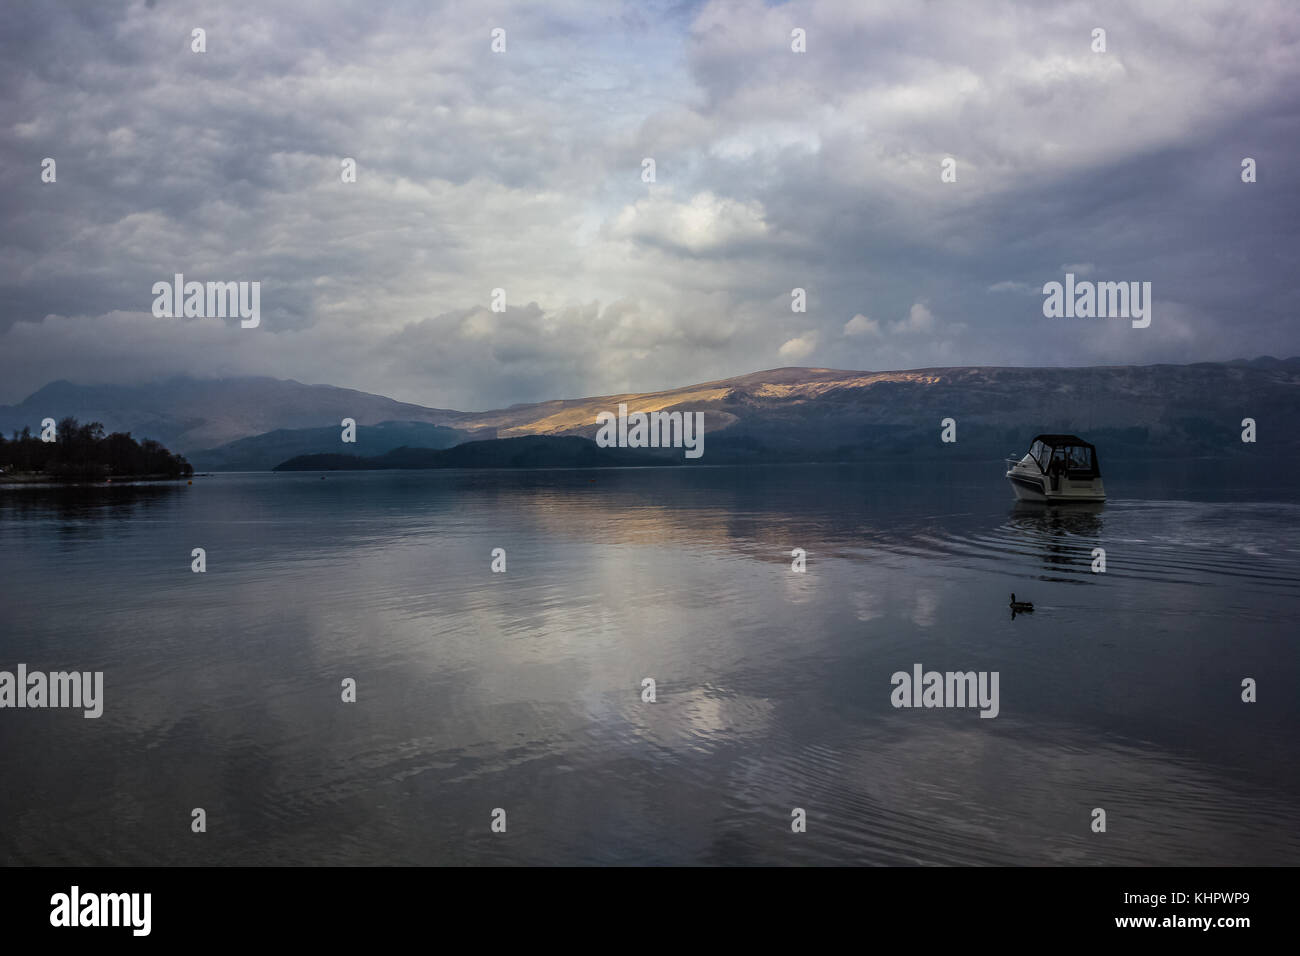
1057	468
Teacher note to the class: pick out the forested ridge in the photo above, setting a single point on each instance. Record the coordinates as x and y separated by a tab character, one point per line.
84	451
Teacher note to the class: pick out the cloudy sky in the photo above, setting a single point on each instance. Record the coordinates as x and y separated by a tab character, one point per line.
522	170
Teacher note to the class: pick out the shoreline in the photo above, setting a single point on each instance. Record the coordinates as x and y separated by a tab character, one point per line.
38	478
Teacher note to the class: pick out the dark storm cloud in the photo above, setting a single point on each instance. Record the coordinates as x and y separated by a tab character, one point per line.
522	171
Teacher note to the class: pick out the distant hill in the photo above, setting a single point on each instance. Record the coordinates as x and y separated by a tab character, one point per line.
534	451
264	452
802	414
190	414
785	414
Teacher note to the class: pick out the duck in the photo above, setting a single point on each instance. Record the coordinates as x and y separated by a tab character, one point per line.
1022	606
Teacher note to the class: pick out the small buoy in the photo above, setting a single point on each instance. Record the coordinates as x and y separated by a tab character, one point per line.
189	482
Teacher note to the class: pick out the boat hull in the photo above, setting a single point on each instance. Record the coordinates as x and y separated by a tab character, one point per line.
1030	487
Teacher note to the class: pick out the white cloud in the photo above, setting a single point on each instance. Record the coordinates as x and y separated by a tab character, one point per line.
707	222
798	348
861	325
919	319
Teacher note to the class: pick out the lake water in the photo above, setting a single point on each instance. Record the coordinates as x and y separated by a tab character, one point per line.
522	690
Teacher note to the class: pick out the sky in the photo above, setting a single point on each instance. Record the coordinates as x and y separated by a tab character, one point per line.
523	170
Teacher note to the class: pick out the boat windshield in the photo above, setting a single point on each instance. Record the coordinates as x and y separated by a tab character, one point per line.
1063	458
1072	458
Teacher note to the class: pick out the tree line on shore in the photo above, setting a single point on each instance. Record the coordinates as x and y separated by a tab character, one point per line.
84	451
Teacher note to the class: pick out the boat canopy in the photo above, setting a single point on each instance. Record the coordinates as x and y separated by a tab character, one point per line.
1065	454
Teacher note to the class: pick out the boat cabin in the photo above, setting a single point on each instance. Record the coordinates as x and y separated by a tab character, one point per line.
1065	455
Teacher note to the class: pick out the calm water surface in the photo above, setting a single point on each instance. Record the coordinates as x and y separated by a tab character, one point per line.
523	690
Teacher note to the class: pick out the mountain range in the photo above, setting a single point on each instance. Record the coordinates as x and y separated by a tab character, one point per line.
189	414
785	414
527	451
